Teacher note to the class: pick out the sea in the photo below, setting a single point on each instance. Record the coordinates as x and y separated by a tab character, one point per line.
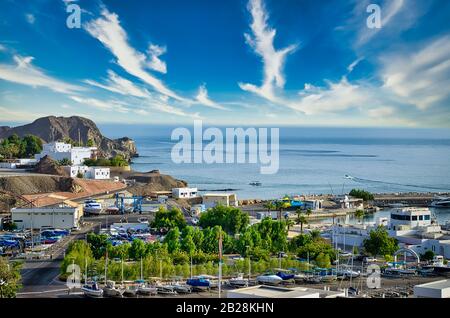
312	160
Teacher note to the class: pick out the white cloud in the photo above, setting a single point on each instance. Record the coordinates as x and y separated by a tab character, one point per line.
262	41
353	65
155	63
23	72
420	77
203	98
109	32
381	112
30	18
120	85
112	105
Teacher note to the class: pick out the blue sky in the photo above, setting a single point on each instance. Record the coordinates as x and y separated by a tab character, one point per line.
237	62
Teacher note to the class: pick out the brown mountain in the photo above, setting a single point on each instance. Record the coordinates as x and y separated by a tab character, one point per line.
53	128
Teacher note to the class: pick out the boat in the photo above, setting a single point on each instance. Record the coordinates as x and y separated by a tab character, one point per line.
347	273
92	290
438	266
182	288
92	207
269	279
255	183
238	281
112	210
146	289
441	202
130	291
285	276
143	220
166	289
110	290
199	283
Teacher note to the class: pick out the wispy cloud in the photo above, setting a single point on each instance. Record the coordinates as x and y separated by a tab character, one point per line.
23	72
109	32
155	63
120	85
109	105
203	98
30	18
262	41
420	77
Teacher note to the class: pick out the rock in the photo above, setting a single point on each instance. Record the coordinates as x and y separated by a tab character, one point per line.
49	166
53	128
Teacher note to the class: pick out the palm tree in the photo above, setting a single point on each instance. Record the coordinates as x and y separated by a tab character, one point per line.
280	206
289	223
269	206
301	219
315	234
308	212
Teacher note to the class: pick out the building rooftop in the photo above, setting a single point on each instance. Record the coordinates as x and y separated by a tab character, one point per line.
440	284
283	292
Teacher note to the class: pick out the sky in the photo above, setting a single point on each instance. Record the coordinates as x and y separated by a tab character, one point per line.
236	62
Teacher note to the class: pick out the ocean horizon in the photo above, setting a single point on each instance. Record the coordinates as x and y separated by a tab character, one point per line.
313	160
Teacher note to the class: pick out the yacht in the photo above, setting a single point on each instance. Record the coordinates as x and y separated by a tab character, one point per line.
441	202
92	290
110	290
92	207
238	281
269	279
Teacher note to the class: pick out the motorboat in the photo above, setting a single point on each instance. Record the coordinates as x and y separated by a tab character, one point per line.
92	290
182	288
143	220
438	266
347	273
130	291
146	289
92	207
199	283
255	183
285	276
269	279
110	290
238	281
441	202
166	289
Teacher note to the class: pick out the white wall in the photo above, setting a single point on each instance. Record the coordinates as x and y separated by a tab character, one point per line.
64	218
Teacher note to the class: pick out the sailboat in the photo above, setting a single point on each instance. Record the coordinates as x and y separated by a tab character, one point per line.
143	288
91	289
238	281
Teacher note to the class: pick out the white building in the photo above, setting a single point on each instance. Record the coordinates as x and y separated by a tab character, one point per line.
437	289
60	150
57	217
184	193
17	163
314	205
412	227
97	173
211	200
262	291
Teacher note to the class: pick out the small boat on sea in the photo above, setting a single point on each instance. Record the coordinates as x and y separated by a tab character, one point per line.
92	290
255	183
440	202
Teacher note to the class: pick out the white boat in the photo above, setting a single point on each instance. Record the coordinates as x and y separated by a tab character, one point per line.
143	220
238	281
130	291
110	290
441	202
92	207
92	290
270	279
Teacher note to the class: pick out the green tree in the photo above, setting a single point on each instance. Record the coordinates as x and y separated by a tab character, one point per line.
168	219
427	256
359	214
32	146
98	244
301	220
380	243
9	278
323	260
90	143
187	241
137	250
362	194
280	206
65	162
118	161
172	239
232	220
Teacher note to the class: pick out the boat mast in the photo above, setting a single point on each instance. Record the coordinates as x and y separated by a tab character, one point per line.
141	270
122	270
85	271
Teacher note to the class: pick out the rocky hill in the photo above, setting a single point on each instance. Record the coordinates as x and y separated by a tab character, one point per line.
53	128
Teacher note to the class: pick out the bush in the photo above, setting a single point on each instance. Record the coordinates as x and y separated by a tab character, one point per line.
362	194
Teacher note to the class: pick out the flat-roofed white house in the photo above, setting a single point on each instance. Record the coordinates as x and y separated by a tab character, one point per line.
97	173
57	217
60	150
211	200
437	289
184	193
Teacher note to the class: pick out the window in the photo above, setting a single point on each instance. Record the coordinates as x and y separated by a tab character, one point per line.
420	217
414	218
427	217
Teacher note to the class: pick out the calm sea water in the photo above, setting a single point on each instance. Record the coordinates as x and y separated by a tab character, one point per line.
312	160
